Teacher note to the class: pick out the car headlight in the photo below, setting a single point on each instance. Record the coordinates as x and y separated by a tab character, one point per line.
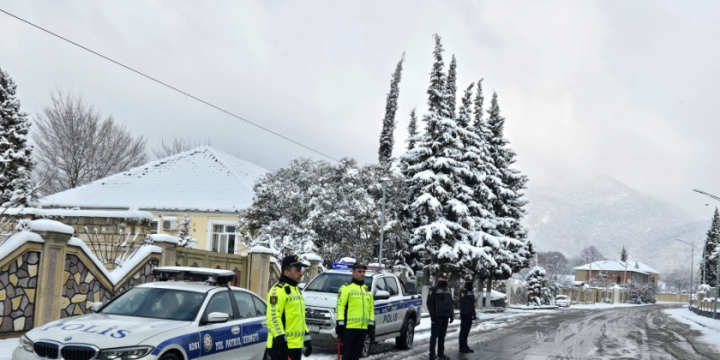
26	344
128	353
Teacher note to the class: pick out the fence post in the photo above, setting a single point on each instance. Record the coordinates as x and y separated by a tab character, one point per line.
259	274
314	269
52	264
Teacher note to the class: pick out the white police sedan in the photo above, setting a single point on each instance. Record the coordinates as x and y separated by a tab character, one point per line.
188	313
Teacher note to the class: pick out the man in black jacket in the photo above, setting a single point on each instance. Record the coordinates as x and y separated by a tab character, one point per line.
467	314
439	304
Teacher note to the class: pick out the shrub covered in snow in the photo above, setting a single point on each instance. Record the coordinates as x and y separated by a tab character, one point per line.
535	280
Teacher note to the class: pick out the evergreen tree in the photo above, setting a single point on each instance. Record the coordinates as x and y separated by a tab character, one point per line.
412	130
709	269
435	183
535	280
184	234
387	141
16	186
505	185
451	88
623	255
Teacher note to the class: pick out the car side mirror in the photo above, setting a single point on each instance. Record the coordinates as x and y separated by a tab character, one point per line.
301	286
382	295
217	318
96	306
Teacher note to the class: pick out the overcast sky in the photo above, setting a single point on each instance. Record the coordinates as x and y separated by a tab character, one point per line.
627	89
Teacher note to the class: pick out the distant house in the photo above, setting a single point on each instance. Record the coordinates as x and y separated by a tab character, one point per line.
207	184
617	271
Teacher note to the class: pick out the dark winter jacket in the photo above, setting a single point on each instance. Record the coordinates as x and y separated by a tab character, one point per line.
439	302
467	302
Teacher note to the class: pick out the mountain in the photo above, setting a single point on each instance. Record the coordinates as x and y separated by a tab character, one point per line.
567	216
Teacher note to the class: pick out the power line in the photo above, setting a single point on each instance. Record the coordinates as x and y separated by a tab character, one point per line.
169	86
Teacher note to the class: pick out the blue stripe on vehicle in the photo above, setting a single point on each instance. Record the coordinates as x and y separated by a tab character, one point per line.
209	342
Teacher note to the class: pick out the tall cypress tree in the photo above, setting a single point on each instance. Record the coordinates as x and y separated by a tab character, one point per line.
16	187
412	130
709	269
387	141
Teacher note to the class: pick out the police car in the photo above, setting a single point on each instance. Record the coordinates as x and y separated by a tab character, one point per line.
397	312
188	313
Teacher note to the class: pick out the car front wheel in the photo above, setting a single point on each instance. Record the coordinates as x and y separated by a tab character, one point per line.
407	336
366	346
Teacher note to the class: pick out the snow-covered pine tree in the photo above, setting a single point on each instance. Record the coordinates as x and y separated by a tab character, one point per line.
412	130
623	255
534	281
451	88
711	243
507	186
184	234
435	181
387	140
16	186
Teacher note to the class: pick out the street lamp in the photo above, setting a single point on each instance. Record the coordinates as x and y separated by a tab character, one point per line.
382	226
692	254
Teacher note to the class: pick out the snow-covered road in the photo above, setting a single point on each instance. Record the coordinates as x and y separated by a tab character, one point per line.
642	332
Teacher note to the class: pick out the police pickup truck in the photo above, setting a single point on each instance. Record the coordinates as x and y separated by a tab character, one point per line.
187	313
397	312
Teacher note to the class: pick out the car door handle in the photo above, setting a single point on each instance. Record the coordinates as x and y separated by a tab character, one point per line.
264	323
235	330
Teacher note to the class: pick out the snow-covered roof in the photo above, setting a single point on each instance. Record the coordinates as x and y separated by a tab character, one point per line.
617	265
201	179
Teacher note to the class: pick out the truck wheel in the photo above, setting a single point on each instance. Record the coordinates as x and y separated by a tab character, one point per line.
407	335
366	346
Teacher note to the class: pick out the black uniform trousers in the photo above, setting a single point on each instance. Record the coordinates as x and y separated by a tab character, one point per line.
293	354
438	329
352	343
465	324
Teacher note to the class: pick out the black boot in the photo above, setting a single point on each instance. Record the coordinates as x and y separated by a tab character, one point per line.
443	357
464	350
469	350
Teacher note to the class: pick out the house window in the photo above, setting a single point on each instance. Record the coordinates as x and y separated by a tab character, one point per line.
154	226
223	238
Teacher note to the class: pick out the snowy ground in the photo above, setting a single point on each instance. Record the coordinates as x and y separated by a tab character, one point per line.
709	328
7	346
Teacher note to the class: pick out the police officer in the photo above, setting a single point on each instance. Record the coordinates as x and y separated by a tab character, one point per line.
288	333
439	303
467	314
355	314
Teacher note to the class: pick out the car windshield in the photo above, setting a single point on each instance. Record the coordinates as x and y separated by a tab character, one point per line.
561	297
331	283
157	303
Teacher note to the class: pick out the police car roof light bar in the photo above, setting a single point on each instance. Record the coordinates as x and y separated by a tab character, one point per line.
192	274
341	266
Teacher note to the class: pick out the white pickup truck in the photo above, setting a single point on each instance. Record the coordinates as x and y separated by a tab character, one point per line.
397	312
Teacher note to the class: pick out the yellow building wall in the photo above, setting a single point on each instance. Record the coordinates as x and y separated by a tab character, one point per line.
200	226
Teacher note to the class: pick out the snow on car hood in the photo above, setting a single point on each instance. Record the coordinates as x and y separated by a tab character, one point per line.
104	331
320	299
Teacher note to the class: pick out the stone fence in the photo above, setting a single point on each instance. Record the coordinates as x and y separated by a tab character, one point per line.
47	274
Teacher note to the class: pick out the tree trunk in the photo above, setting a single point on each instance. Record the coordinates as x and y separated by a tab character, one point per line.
488	295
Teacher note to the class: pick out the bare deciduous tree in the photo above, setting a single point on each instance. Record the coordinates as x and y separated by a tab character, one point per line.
177	146
591	254
677	280
75	144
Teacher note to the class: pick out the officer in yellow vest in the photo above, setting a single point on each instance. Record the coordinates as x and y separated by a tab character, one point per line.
287	333
355	314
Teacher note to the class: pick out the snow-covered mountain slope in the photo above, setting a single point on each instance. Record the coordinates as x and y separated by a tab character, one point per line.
600	211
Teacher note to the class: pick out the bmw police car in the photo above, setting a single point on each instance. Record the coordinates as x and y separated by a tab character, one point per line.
397	312
187	313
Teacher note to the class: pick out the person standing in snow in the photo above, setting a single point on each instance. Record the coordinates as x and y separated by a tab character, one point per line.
439	304
467	314
355	314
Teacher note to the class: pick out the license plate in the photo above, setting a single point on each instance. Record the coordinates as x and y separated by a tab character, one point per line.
314	328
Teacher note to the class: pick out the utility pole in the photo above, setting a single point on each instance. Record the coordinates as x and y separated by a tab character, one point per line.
382	227
692	255
717	291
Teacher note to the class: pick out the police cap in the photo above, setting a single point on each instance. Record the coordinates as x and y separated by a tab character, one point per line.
293	260
442	275
469	278
359	265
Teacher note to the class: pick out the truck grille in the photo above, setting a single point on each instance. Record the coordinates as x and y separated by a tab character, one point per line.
320	317
74	352
46	350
